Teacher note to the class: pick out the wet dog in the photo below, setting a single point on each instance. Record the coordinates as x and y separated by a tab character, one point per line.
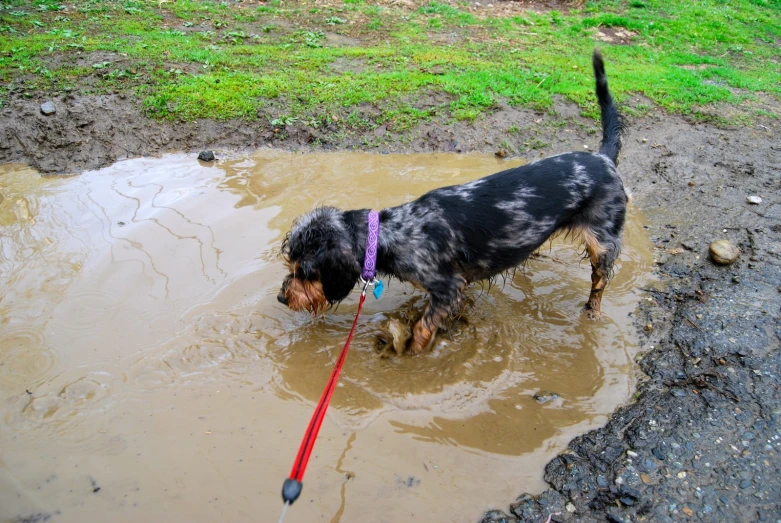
453	236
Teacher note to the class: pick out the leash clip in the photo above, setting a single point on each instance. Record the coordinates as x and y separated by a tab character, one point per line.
374	282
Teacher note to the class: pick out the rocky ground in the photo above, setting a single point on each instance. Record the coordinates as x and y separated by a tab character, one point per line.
702	439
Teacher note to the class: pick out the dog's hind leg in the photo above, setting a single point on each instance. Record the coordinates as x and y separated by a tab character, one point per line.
602	254
446	296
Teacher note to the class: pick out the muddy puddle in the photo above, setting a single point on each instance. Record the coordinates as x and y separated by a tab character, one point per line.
147	371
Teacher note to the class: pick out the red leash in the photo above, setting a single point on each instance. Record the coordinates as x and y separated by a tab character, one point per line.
291	489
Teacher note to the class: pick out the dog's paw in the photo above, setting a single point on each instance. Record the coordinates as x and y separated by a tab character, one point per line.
592	314
415	347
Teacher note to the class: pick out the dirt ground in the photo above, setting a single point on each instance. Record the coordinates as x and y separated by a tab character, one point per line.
702	439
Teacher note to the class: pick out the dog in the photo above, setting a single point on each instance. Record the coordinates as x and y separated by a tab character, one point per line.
453	236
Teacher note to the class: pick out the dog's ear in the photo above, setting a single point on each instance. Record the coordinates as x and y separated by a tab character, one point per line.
339	271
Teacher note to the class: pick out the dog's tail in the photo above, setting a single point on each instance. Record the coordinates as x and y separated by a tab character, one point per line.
612	124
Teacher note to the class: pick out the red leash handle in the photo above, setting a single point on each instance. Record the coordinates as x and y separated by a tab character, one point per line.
292	486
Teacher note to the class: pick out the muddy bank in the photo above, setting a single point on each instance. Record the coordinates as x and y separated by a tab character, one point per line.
702	439
89	132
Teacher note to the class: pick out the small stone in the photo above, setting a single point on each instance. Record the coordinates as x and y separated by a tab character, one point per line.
648	327
744	483
686	510
723	252
649	465
545	396
691	184
756	200
645	478
682	474
502	153
570	507
48	109
630	492
675	251
631	453
206	156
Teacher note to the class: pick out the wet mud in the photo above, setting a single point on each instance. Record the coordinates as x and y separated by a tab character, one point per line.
149	372
698	440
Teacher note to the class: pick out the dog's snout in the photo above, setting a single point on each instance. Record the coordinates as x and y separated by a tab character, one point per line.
281	298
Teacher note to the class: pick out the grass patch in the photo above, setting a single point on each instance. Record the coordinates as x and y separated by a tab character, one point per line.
192	59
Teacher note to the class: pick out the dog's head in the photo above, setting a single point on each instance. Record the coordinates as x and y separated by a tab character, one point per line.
322	262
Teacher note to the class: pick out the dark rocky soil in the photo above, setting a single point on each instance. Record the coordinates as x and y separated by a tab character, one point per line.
702	440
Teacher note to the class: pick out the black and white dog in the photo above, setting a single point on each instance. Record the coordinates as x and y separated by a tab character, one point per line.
453	236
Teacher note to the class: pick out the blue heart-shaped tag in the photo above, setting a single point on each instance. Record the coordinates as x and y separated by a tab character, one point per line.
378	288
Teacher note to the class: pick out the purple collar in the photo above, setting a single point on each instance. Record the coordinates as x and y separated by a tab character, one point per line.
370	260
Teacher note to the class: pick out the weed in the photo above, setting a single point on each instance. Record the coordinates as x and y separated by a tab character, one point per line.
313	38
284	121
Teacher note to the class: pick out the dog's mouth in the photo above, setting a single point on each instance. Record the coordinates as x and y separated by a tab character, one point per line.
303	295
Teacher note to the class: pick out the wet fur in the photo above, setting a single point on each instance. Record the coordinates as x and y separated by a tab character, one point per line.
453	236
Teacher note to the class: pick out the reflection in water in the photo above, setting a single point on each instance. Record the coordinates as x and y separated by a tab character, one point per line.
142	351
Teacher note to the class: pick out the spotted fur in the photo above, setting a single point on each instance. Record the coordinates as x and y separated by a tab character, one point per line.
453	236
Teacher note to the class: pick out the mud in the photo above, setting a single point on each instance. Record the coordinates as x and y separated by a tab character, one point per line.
700	439
149	372
90	132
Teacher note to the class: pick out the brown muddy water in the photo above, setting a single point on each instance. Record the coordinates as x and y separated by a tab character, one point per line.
147	372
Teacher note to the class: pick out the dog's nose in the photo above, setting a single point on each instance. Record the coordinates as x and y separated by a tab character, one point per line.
281	298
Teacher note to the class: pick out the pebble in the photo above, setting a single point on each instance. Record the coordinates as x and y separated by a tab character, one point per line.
206	156
502	153
612	516
756	200
570	507
48	108
545	396
723	252
658	454
744	483
631	453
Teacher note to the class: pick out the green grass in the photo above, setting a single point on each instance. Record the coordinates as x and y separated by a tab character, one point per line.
190	59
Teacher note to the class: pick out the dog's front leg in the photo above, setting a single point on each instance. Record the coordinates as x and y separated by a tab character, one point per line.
445	298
